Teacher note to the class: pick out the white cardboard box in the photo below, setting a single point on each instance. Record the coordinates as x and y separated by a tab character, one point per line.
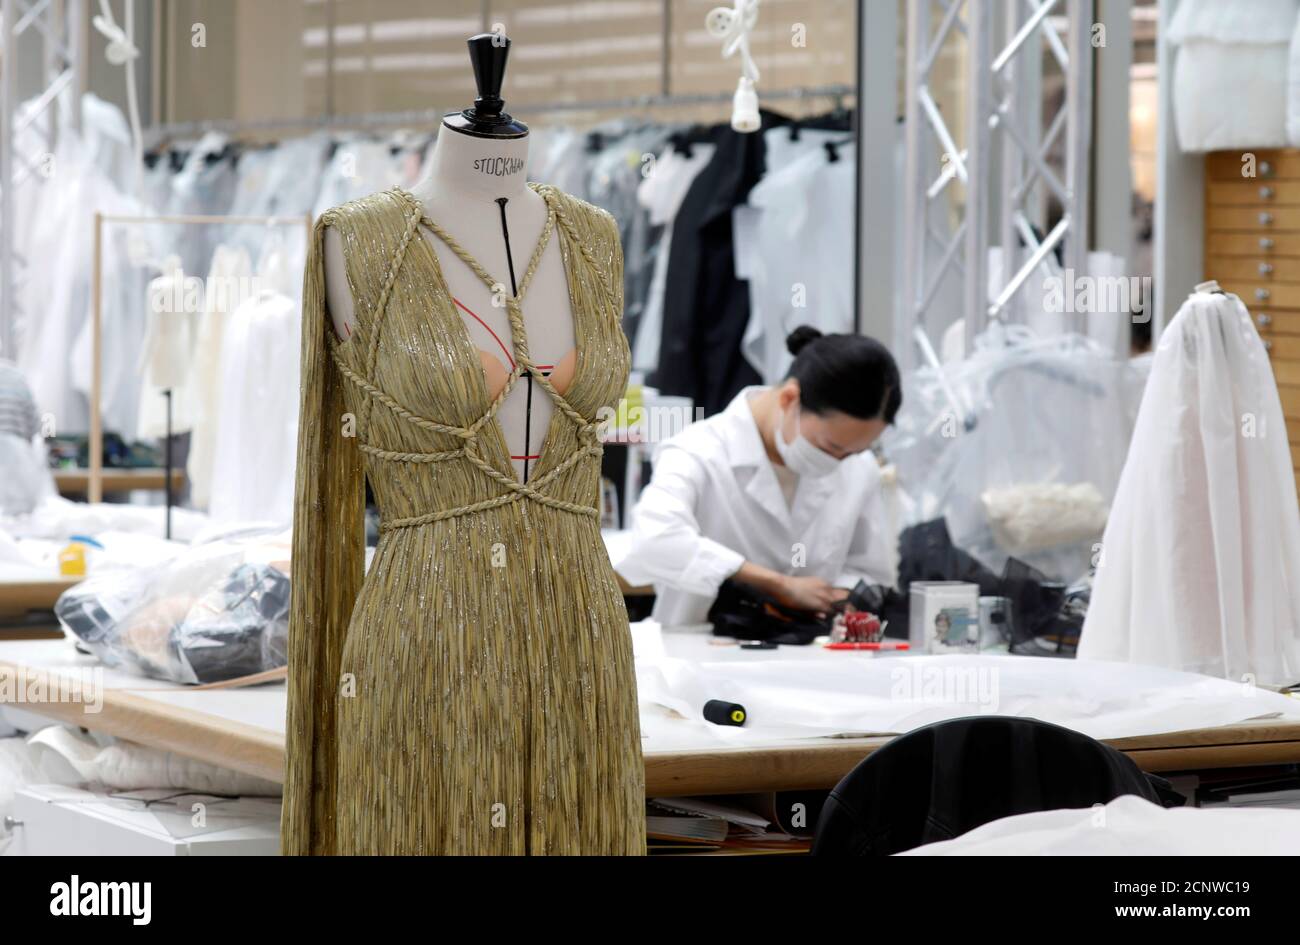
943	617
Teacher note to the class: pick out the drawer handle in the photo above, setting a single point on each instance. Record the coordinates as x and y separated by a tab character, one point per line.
1265	218
1264	320
11	823
1266	193
1265	269
1265	169
1268	345
1262	294
1265	243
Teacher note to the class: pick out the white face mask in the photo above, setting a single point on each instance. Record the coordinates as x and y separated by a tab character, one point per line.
801	457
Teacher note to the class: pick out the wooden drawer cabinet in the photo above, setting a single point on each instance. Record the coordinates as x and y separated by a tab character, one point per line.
1290	401
1282	347
1258	294
1270	164
1252	249
1270	246
1253	219
1261	269
1270	323
1252	193
1286	372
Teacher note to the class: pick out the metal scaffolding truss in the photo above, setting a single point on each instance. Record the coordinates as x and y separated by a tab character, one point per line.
52	27
1003	164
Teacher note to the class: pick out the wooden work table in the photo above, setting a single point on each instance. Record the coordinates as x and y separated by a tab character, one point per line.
244	730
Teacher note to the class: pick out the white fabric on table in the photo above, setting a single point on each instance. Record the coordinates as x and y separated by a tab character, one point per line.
1200	563
814	692
1130	826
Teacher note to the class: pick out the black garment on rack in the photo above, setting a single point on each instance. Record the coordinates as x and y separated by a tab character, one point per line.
706	308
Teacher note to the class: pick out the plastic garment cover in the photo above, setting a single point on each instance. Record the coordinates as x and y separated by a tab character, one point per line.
257	427
1200	564
359	167
26	478
1129	826
1231	72
1026	436
204	185
55	230
230	272
797	251
661	194
218	611
1241	21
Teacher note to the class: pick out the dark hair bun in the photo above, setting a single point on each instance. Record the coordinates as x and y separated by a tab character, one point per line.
798	339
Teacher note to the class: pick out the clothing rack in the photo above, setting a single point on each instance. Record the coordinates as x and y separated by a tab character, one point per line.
432	116
94	488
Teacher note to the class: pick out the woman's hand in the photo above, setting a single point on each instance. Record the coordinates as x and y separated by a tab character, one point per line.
809	593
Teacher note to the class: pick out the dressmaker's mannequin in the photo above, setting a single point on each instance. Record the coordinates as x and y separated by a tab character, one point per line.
480	159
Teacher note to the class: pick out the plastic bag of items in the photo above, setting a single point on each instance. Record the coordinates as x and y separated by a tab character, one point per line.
1234	64
1018	447
218	611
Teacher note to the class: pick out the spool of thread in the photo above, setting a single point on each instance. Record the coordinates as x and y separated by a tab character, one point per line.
724	713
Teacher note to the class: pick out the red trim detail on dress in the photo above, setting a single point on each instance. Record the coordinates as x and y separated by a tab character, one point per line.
527	457
504	349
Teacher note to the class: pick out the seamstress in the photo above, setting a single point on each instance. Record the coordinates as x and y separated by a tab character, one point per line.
779	491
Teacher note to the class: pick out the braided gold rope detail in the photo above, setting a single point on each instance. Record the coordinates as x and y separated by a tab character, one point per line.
390	279
399	457
515	490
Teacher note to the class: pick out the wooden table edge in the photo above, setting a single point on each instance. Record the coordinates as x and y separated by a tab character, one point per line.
813	765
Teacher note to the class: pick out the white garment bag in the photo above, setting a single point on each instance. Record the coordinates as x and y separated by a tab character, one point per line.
1230	75
1200	562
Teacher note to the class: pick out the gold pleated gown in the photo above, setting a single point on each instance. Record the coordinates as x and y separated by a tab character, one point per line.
473	693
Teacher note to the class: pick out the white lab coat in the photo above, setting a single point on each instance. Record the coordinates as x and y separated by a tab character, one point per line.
714	502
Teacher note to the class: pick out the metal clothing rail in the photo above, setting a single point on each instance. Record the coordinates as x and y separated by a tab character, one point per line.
432	116
94	488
